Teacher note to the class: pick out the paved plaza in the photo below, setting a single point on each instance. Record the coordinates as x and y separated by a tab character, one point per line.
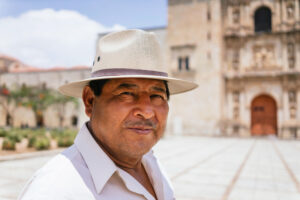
203	168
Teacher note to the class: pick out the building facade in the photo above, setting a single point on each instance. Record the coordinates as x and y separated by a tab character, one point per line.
15	74
245	56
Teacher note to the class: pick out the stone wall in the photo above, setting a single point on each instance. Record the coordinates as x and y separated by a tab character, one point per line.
195	31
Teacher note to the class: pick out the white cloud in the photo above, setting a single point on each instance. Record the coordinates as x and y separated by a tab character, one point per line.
47	38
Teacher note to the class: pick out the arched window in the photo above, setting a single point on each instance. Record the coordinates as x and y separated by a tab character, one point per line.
8	120
74	121
263	20
183	63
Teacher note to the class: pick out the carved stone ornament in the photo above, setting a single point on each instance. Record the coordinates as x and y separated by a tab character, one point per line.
236	60
290	10
236	16
263	56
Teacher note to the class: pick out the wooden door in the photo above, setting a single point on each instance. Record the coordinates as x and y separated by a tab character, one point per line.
263	116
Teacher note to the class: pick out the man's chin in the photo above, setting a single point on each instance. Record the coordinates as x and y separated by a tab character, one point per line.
141	148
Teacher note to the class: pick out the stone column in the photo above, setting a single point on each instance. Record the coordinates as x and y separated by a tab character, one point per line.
277	20
229	111
285	106
284	13
297	11
298	112
248	18
297	52
285	60
286	114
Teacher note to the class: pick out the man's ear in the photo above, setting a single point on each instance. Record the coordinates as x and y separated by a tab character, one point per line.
88	98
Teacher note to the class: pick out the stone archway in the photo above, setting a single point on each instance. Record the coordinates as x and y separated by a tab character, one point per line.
263	116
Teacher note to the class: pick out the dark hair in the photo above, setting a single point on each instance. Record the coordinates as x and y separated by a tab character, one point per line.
97	85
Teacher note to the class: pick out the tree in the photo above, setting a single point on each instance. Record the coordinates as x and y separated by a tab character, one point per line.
6	104
39	99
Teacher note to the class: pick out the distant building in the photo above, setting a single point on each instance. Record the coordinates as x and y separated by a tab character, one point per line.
15	74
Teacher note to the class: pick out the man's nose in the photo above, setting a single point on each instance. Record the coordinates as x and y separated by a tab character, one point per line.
144	108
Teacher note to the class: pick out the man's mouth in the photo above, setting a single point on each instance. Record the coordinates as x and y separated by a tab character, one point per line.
141	127
143	130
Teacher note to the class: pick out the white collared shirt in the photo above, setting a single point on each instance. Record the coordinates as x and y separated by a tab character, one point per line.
84	171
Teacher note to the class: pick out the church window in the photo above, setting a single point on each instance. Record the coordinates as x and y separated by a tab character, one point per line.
44	86
187	67
74	121
208	15
182	57
263	20
179	63
183	62
8	120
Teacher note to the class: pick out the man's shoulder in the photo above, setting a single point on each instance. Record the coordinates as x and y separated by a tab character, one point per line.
62	163
58	178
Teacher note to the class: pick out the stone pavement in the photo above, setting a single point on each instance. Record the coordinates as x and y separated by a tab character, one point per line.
204	168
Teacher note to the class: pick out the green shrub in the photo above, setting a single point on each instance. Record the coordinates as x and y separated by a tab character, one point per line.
31	140
9	144
65	141
3	132
56	133
15	136
26	133
41	143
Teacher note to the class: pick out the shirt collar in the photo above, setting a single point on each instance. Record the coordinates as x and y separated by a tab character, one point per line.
100	165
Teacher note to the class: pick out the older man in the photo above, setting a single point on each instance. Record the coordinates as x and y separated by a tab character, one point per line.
126	99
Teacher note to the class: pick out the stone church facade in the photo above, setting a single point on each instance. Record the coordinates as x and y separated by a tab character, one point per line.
245	56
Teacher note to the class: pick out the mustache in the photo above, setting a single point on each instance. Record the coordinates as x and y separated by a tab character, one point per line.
141	123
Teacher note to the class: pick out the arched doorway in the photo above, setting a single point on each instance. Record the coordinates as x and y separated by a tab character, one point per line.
263	116
263	19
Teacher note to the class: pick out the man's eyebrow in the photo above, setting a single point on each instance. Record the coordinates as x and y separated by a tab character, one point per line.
127	86
159	89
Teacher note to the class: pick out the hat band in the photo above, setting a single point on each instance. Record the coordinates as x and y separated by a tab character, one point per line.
122	71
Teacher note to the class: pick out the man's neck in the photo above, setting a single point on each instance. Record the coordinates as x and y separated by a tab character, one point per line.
121	161
132	166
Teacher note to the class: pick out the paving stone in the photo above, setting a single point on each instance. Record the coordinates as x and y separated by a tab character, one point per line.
202	168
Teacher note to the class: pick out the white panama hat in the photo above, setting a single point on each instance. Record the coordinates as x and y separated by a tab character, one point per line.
128	54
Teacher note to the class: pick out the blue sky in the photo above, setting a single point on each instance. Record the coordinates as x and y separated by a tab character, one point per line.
50	33
128	13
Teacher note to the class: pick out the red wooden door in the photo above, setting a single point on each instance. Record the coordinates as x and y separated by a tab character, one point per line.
263	116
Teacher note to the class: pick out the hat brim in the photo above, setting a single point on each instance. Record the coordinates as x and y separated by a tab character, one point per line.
176	86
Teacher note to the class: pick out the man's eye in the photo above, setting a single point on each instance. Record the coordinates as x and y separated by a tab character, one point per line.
154	96
127	93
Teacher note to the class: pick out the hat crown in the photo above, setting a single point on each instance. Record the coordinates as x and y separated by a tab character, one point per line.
130	49
128	54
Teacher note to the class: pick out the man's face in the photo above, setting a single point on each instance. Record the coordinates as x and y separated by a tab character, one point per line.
130	115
